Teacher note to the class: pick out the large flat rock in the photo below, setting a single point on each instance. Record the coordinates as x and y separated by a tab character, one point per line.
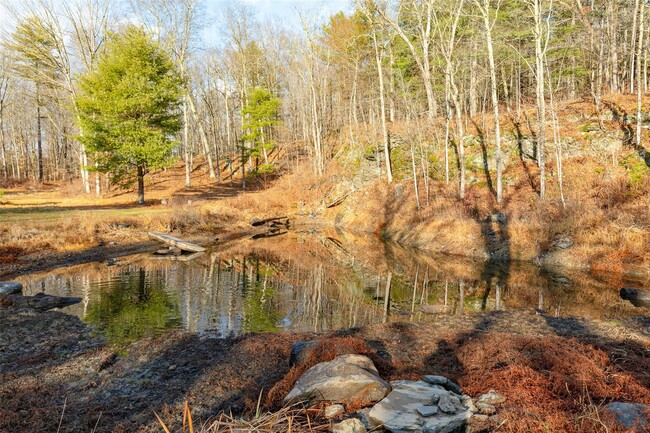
346	378
402	410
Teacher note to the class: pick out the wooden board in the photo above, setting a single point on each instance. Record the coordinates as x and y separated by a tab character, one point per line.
176	242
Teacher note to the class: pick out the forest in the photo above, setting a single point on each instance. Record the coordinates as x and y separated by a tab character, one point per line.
446	63
205	204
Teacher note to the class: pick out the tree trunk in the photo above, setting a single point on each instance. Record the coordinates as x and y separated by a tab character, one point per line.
98	187
541	104
384	128
495	100
188	168
203	135
633	44
140	184
639	76
39	137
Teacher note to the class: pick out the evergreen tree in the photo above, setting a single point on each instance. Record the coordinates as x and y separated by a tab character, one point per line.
129	107
261	114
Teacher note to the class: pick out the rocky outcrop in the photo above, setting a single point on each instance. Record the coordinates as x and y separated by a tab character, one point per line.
346	378
434	404
420	406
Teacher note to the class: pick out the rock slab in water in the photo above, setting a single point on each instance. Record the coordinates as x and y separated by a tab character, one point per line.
10	287
629	415
346	378
398	412
40	301
351	425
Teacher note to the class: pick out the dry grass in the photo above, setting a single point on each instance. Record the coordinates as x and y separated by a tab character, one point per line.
289	419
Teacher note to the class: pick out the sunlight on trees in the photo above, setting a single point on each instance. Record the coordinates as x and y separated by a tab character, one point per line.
129	107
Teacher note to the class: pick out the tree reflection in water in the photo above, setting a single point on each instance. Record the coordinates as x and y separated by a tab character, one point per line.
285	285
132	306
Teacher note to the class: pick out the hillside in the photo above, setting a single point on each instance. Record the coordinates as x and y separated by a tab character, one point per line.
603	226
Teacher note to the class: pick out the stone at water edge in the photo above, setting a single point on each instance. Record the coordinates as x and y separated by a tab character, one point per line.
346	378
398	412
10	287
351	425
629	415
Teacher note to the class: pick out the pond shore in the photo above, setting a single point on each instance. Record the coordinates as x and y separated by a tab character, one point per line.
545	366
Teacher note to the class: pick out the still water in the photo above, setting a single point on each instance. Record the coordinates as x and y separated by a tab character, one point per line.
314	283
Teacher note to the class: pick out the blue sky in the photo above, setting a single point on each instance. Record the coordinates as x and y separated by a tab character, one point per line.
283	11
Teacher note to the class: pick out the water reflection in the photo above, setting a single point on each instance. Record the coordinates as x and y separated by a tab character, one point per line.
313	284
132	305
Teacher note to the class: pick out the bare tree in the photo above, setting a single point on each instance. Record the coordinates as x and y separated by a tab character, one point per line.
484	7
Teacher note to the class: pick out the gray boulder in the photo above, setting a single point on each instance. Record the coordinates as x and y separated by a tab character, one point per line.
10	287
629	415
347	377
401	410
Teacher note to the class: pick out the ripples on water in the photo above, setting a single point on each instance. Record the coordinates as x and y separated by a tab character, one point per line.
315	286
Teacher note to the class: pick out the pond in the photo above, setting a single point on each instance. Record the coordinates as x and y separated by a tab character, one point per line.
314	282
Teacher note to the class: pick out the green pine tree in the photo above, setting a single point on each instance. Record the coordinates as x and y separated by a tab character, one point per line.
129	107
260	115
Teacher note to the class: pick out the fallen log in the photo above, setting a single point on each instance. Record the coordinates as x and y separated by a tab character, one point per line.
269	234
255	222
40	302
337	201
173	241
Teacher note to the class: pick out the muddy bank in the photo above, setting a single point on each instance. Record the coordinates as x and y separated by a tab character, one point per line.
41	260
544	365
